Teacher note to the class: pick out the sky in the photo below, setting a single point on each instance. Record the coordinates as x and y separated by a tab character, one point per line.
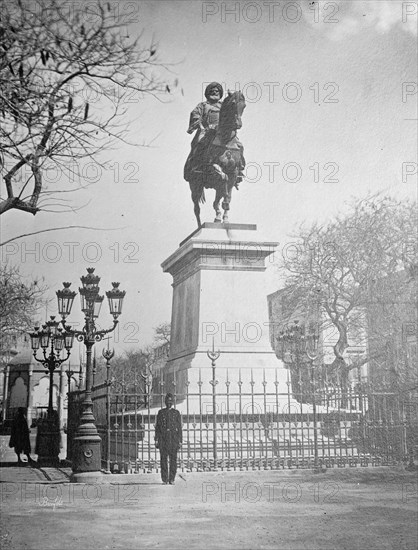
331	93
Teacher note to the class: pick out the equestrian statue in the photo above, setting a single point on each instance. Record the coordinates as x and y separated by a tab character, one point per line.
216	160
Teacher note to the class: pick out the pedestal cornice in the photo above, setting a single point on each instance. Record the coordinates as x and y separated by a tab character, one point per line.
219	247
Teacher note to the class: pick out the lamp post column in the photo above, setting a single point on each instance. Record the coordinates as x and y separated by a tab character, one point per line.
51	368
88	403
86	453
87	442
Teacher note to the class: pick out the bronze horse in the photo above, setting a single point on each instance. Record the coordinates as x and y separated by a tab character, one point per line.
221	159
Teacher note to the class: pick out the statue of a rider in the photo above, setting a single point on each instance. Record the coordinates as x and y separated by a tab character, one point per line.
216	160
204	118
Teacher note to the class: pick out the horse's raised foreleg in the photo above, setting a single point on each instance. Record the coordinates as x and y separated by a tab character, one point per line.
197	213
196	197
216	204
227	199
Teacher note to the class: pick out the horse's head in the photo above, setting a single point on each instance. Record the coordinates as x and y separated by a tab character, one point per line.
231	112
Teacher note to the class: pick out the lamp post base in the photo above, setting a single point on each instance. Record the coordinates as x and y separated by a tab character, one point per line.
86	455
86	451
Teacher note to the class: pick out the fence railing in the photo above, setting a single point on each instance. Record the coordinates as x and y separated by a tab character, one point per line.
254	427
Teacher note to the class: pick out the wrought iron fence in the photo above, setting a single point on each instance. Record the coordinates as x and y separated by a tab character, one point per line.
254	426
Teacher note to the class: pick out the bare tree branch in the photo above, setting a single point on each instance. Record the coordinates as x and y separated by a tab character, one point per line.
65	78
58	229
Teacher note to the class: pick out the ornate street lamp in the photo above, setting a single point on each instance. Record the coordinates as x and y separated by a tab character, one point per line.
296	344
52	340
87	451
292	348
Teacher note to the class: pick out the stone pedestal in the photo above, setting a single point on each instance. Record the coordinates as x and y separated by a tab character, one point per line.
219	300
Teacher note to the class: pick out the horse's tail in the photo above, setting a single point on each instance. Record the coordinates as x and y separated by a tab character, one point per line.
202	198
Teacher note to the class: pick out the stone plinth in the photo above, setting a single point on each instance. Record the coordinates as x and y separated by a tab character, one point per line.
219	298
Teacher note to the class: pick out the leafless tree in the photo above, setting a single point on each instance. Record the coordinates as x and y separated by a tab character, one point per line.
355	268
67	72
136	368
162	334
20	301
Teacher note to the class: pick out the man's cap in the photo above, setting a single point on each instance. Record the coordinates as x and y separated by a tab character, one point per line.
213	85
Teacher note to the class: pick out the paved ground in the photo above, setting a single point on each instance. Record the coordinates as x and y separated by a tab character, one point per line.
344	509
354	509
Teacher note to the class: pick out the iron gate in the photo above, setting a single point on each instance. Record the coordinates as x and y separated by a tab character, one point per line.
251	429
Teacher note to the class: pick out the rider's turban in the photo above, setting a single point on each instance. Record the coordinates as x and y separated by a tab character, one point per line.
211	86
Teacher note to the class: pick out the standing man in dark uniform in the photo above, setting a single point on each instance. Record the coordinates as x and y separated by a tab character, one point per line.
168	438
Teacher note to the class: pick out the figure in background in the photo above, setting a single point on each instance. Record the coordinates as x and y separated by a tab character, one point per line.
19	438
168	438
